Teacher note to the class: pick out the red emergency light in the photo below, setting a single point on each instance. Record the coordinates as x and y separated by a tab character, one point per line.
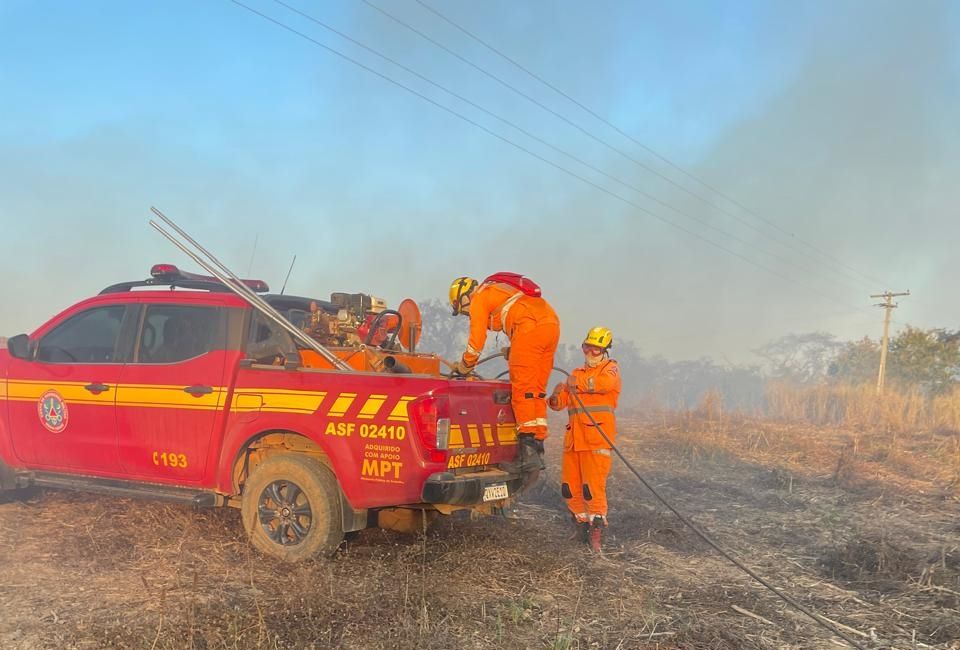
170	272
164	271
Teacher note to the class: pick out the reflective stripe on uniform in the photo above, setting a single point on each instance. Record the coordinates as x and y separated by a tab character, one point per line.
505	309
541	422
529	423
472	350
602	452
590	409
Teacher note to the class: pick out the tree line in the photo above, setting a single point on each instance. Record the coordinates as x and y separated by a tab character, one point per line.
927	360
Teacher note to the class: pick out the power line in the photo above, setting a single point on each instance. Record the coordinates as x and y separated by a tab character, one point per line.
532	136
846	314
528	151
623	133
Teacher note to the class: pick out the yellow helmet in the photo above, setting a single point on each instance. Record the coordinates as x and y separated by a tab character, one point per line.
600	337
459	288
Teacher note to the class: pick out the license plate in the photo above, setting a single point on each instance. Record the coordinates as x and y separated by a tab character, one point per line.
495	492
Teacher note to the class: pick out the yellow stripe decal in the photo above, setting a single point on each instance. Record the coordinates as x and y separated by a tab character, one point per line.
47	384
278	401
74	392
456	437
282	391
165	396
275	400
179	407
341	404
399	412
488	434
474	435
371	407
247	402
507	434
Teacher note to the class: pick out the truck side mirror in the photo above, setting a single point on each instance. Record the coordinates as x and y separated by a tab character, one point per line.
19	347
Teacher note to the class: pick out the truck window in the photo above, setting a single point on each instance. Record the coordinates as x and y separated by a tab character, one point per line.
268	344
88	337
173	333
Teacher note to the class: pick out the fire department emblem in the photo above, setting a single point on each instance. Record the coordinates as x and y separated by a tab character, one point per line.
53	411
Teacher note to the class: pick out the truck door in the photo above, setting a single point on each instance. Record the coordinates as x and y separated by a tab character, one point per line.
172	392
61	402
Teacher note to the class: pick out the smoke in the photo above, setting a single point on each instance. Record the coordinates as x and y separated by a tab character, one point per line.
856	151
860	151
835	122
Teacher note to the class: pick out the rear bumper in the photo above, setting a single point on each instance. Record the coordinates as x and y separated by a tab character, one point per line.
450	489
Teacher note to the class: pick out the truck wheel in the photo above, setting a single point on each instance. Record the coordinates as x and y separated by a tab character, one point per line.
291	508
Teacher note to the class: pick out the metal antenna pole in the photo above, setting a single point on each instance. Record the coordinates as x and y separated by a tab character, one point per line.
231	281
253	254
289	271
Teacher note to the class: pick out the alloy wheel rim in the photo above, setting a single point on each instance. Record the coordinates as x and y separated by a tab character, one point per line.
284	512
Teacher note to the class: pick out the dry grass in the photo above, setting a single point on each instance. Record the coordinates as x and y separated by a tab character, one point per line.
810	435
849	534
859	407
901	435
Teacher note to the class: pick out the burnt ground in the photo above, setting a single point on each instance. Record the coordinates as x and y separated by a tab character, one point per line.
869	539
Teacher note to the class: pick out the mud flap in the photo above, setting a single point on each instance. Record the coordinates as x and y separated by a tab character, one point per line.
352	519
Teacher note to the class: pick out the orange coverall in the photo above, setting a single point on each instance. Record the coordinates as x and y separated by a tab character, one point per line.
534	331
586	455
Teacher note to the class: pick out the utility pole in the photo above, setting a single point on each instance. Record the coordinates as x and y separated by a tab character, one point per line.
888	306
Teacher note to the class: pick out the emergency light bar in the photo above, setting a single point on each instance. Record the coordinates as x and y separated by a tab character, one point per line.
168	272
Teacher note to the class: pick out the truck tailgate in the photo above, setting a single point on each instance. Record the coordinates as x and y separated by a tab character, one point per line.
482	427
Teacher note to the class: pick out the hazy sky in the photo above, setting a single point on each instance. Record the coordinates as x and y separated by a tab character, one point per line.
833	123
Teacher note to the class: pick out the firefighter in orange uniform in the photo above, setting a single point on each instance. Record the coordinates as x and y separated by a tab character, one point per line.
586	455
534	331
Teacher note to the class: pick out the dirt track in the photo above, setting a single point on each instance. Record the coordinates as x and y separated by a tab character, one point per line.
87	572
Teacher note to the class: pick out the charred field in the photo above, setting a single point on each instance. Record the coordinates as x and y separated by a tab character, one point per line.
864	528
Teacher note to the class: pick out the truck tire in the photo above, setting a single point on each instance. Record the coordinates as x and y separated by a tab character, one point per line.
291	508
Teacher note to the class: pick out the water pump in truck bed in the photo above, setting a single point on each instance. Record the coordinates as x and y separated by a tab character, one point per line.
347	320
361	330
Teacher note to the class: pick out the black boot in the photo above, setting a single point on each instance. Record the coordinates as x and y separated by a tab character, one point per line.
531	453
581	530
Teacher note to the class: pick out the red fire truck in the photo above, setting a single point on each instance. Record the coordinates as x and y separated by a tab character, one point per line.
180	388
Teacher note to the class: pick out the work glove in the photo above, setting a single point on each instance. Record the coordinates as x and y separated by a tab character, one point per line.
460	368
554	399
505	352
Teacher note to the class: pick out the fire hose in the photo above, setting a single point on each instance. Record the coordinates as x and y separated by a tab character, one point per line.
833	629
